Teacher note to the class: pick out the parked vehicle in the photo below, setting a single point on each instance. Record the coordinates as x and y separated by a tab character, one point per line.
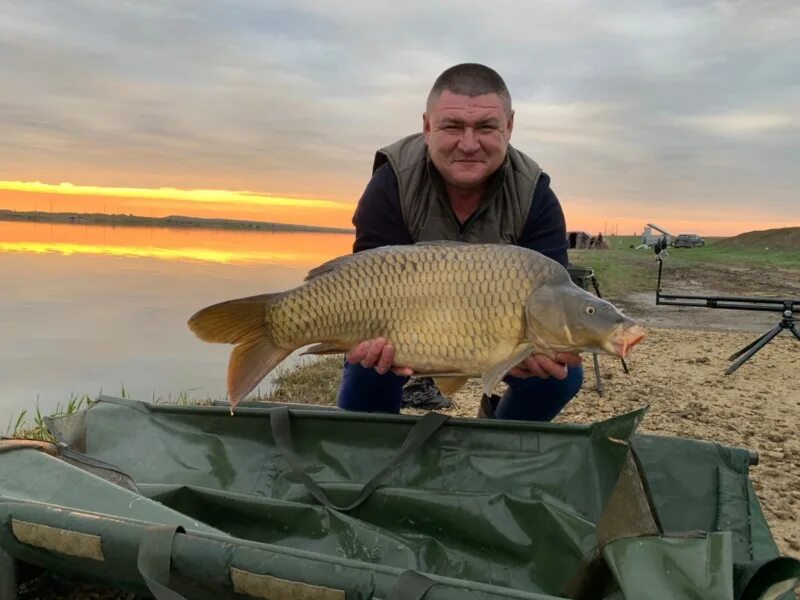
688	240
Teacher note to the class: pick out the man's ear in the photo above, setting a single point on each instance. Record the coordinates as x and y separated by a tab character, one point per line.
510	124
426	126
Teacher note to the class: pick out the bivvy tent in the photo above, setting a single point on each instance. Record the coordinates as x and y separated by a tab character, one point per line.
294	502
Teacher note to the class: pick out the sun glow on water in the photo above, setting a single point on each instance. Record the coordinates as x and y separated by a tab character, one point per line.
302	249
180	253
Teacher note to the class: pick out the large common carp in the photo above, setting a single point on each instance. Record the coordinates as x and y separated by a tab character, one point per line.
450	309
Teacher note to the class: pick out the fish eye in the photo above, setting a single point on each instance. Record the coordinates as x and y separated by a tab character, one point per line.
590	310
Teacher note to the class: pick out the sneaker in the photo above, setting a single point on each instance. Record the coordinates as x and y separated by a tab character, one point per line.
421	392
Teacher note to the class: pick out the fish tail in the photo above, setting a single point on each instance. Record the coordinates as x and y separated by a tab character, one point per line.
243	322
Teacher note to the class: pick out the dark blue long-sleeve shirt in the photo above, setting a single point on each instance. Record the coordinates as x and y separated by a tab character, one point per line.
379	221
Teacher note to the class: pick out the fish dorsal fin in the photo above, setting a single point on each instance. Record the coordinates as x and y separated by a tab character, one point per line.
338	262
327	267
443	243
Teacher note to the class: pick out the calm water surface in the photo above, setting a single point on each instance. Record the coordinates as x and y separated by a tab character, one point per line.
89	309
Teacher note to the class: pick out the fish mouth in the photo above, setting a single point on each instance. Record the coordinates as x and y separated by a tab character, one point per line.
626	339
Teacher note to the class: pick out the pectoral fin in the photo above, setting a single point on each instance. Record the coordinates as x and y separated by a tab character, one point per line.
449	385
493	376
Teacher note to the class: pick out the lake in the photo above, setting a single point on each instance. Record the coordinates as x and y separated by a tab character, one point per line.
89	309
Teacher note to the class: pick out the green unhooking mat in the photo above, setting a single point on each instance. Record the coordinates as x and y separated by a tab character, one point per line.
298	502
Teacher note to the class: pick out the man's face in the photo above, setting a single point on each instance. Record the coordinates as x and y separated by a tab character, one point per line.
467	137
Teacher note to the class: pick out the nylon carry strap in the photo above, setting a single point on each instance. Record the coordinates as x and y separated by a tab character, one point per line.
410	585
8	577
280	423
153	561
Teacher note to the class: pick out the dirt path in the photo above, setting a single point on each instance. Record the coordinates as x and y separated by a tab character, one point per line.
679	372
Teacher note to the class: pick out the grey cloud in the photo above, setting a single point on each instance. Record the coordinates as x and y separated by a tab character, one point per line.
281	92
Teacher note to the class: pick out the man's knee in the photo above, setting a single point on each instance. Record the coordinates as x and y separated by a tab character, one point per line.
564	388
573	382
537	399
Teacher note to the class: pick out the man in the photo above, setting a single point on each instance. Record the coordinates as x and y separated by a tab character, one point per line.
460	179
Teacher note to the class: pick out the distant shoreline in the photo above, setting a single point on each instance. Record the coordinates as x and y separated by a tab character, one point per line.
172	221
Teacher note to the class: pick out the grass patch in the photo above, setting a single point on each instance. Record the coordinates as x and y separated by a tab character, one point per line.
735	255
37	430
33	427
313	382
623	269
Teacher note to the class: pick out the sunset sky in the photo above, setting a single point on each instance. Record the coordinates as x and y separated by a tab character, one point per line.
680	113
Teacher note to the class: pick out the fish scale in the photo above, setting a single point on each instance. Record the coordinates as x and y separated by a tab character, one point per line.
448	297
447	308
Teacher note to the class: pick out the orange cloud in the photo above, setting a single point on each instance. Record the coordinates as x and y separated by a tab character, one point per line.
214	196
588	214
160	202
606	216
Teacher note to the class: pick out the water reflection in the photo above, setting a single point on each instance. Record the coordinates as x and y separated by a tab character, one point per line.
217	246
91	308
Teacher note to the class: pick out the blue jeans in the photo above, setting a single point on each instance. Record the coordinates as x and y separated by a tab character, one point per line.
529	399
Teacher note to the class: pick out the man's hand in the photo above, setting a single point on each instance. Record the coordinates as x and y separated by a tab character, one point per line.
539	365
377	353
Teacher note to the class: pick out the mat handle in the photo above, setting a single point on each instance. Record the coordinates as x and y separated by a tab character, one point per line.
154	559
280	423
8	576
410	585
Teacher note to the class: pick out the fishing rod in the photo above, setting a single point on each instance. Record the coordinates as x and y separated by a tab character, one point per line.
786	307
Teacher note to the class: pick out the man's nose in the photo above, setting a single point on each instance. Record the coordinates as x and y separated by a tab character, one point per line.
468	143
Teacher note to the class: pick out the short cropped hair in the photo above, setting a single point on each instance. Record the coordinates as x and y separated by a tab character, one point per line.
470	79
